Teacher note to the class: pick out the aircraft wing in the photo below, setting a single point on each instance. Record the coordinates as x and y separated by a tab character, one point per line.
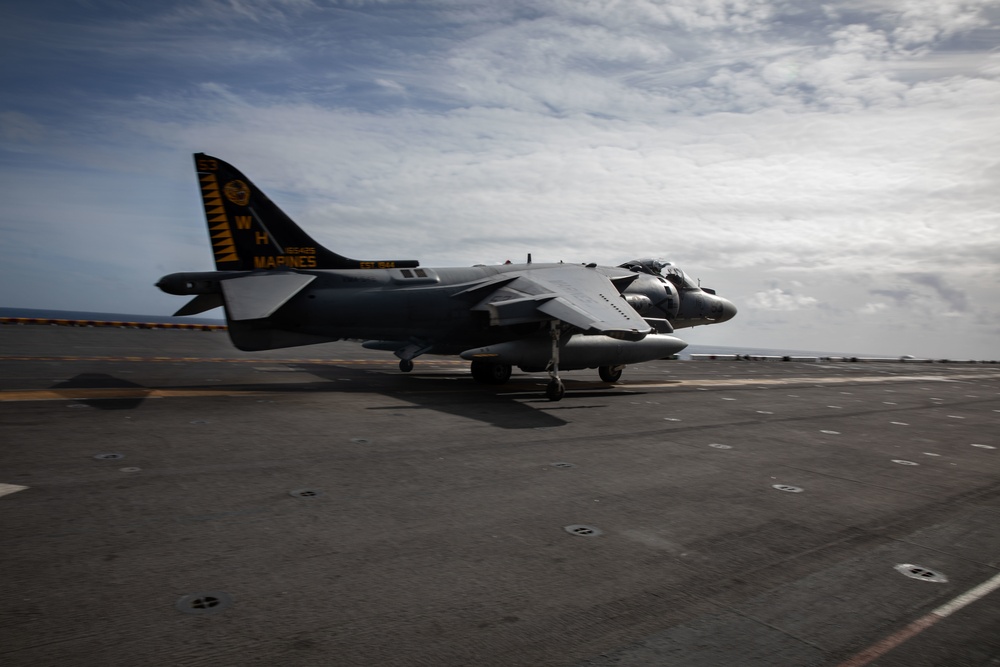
577	295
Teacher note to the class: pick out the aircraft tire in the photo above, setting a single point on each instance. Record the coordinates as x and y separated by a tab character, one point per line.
406	365
555	390
490	373
611	373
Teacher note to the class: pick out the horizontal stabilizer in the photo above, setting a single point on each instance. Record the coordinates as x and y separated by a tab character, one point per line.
257	296
200	304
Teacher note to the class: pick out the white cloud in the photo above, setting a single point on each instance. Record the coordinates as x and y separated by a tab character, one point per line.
836	150
872	308
779	299
392	86
18	128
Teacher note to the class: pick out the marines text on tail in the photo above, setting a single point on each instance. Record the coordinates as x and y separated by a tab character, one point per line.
280	289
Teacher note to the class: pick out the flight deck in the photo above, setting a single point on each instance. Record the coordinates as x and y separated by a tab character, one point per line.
168	500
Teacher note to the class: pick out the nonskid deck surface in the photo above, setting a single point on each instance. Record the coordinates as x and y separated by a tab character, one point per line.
169	500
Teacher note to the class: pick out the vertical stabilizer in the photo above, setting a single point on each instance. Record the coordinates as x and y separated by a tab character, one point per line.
249	232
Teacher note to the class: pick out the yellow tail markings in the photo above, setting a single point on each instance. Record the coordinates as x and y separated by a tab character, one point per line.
208	186
219	230
243	221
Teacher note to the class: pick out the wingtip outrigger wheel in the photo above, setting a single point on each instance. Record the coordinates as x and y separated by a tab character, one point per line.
413	349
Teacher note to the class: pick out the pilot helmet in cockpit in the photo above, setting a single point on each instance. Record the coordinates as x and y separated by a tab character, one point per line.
662	269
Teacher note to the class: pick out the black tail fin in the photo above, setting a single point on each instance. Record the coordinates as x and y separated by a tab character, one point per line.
249	231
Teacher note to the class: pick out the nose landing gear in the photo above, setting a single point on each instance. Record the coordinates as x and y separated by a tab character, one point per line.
555	390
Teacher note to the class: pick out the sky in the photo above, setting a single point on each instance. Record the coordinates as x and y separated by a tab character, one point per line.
832	168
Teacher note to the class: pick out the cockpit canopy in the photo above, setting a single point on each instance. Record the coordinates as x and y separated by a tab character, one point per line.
661	269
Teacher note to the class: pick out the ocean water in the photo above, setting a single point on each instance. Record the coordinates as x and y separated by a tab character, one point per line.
762	352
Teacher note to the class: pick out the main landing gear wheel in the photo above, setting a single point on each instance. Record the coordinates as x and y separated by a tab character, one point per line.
490	373
611	373
406	365
555	390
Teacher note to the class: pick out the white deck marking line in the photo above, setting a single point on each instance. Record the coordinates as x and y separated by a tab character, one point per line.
7	489
882	647
816	381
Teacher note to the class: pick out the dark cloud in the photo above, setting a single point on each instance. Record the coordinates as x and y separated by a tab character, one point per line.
956	299
898	296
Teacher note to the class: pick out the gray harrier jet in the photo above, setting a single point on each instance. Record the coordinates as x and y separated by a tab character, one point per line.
280	288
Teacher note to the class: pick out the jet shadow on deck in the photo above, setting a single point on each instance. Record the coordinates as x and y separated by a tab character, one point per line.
519	404
129	401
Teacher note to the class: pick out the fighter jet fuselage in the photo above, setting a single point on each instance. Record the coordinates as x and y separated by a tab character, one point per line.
439	303
280	288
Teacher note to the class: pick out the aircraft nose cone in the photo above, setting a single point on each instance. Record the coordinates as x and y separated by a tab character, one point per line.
728	310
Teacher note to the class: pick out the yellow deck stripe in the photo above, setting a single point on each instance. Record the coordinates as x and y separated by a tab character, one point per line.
124	392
